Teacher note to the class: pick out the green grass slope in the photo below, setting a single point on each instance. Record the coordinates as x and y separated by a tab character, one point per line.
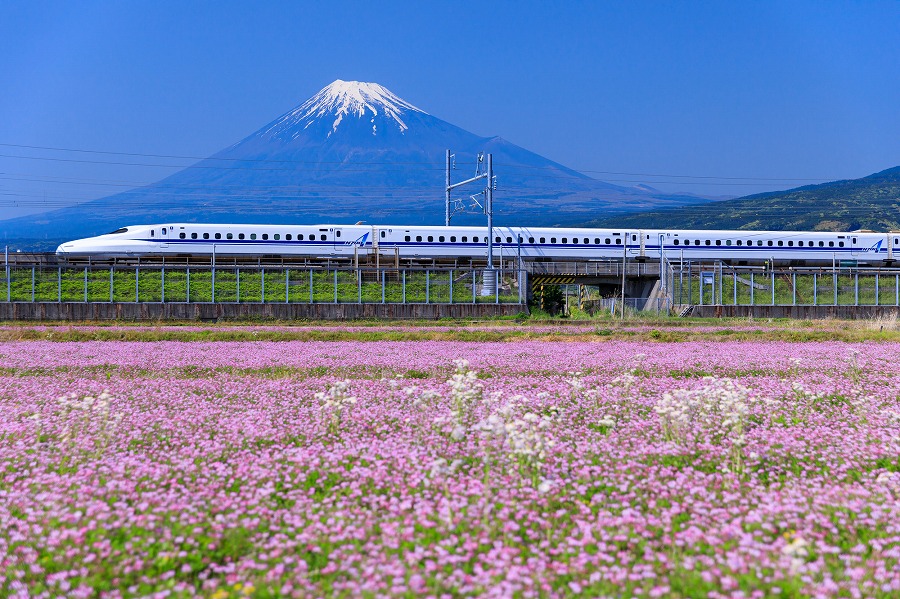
871	202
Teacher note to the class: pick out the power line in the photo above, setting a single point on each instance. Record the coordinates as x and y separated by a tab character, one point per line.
372	163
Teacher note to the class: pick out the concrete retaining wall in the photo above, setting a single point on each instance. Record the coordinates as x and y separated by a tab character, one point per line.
75	311
796	312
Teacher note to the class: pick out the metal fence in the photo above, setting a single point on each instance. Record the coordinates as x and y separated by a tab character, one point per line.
723	285
143	284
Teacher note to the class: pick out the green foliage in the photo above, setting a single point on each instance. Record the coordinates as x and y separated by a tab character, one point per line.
871	202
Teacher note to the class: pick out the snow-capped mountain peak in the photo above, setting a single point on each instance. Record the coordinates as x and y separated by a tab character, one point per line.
344	99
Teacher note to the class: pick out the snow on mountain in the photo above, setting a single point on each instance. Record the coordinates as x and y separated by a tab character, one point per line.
343	98
353	151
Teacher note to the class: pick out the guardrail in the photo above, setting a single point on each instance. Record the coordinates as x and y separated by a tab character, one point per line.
723	285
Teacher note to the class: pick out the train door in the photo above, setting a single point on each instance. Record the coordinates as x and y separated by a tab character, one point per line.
338	243
855	250
638	247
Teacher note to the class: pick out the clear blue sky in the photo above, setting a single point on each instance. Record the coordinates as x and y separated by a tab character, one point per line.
768	90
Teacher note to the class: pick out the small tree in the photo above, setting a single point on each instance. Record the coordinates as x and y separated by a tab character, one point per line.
548	298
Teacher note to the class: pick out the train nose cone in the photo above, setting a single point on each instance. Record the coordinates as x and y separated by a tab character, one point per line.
64	249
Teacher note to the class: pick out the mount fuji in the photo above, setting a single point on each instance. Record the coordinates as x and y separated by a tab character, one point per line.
353	152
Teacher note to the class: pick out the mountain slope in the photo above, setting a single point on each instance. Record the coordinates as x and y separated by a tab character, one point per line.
872	202
354	151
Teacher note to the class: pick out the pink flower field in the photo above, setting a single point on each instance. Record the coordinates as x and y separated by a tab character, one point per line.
449	469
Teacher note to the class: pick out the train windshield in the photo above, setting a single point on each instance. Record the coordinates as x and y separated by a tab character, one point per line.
122	230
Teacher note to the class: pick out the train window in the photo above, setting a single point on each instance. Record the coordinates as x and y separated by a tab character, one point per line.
634	238
498	239
430	238
596	241
441	239
509	239
229	236
182	235
276	236
676	242
791	243
265	235
740	242
475	239
240	235
707	242
336	233
759	242
163	231
770	243
406	238
252	235
565	240
206	236
718	242
218	236
606	241
382	234
193	236
575	240
780	243
465	239
152	233
300	237
728	242
521	239
531	240
553	240
831	244
418	238
322	237
586	240
453	238
841	243
287	237
542	239
619	241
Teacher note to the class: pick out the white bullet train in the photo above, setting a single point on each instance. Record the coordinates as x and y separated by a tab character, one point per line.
531	243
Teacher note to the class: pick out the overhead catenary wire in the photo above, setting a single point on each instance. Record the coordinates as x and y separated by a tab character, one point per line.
436	164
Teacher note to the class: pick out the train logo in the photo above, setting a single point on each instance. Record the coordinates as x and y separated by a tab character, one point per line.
875	248
360	241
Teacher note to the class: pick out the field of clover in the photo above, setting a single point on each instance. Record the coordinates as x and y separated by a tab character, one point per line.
449	469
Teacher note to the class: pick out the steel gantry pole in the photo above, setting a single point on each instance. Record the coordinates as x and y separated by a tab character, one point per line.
447	190
489	208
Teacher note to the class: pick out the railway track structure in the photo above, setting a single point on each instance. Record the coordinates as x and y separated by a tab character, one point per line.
42	286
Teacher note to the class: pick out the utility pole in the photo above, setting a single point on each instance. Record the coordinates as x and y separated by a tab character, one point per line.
447	190
489	209
490	277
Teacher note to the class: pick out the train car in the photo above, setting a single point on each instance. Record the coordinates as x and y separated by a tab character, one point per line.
529	243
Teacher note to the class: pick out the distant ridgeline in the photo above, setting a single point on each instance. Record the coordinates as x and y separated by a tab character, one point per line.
871	202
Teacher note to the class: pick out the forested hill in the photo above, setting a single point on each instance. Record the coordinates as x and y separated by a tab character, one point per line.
871	202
